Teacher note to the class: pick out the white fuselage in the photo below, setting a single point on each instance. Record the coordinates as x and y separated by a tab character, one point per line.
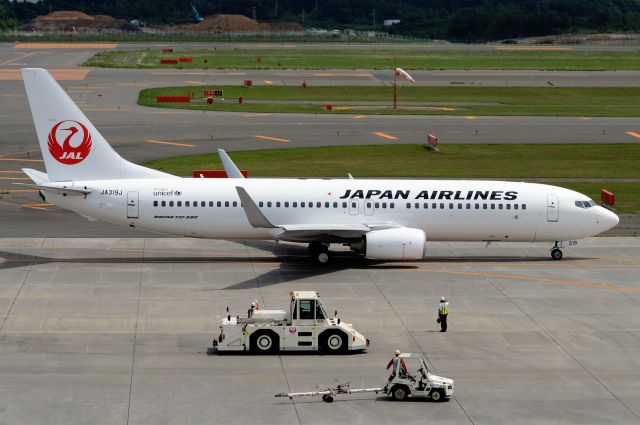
447	210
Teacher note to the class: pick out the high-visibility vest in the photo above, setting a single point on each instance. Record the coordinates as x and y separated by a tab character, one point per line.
443	308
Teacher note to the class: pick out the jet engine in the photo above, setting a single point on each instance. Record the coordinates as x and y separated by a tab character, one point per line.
395	244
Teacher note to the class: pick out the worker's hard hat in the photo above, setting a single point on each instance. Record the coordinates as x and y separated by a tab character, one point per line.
253	304
443	299
397	352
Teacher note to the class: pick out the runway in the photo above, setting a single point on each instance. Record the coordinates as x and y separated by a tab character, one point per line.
115	331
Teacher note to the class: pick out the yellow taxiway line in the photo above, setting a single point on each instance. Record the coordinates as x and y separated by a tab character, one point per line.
276	139
385	135
163	142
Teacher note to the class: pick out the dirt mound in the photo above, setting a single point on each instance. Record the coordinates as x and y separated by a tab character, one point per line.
75	21
236	23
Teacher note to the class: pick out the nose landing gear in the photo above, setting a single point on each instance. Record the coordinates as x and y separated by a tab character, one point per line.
556	253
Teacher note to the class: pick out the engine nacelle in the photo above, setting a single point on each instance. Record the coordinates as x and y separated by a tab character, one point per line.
396	244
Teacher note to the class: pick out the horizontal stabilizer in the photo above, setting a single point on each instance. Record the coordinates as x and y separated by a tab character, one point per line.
59	188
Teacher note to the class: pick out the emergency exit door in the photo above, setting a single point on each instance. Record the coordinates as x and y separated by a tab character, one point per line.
132	204
553	207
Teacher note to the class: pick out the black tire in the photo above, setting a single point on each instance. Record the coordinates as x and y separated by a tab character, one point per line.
327	398
319	253
334	342
399	392
556	254
265	343
437	395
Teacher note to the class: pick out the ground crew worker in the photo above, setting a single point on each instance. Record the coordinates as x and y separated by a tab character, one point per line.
395	360
443	312
252	309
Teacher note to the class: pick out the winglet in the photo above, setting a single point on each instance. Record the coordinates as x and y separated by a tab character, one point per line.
254	215
229	166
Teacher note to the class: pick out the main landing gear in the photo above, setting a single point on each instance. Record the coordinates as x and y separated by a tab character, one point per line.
556	253
319	253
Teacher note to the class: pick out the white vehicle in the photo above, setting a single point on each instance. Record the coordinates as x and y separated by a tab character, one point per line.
381	219
304	326
401	384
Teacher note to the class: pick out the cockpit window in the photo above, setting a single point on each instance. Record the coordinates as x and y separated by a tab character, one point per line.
585	204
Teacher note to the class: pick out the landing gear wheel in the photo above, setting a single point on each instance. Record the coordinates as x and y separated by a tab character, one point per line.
556	254
327	398
319	253
437	395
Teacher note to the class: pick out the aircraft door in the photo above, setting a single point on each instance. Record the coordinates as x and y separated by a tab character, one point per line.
354	206
132	204
368	207
553	207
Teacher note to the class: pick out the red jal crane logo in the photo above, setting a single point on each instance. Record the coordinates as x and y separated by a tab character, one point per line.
67	153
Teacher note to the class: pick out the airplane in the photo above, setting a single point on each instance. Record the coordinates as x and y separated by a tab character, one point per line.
380	219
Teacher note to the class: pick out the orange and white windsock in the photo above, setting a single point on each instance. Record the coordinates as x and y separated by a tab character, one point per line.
404	74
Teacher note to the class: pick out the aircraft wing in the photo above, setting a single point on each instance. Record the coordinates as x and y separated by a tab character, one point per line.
307	232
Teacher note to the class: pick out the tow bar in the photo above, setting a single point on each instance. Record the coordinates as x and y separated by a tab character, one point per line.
330	393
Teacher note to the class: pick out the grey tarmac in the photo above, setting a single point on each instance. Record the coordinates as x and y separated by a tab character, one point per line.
115	331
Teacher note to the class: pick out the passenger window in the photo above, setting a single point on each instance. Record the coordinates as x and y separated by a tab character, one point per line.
368	204
211	203
278	204
384	205
508	206
344	205
434	206
493	206
335	205
353	205
218	204
459	206
417	205
186	203
226	203
195	203
326	205
170	203
286	205
477	206
408	204
269	204
377	205
451	206
524	206
301	204
499	206
295	205
203	204
164	203
306	309
310	204
319	204
515	206
484	206
426	205
260	204
468	206
155	203
235	203
392	204
179	203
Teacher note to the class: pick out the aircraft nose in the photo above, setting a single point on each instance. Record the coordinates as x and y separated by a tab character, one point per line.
608	219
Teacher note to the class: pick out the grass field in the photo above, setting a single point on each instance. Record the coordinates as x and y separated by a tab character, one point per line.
567	161
293	58
521	101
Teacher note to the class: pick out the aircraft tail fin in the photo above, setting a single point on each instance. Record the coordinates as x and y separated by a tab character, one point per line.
72	147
